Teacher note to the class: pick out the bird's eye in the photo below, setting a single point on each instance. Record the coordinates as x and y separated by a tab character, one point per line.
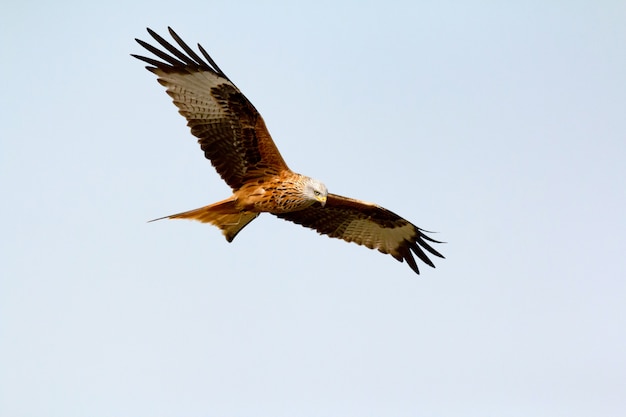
316	192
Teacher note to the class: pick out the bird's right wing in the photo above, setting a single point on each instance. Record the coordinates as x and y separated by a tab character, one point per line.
367	224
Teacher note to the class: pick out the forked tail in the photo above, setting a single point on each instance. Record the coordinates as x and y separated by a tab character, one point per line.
223	214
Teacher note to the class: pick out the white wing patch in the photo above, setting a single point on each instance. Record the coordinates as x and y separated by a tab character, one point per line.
191	93
385	239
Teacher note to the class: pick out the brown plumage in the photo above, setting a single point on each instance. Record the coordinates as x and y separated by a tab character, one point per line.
233	136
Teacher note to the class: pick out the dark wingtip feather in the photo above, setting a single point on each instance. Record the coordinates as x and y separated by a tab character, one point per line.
177	59
430	248
410	260
417	250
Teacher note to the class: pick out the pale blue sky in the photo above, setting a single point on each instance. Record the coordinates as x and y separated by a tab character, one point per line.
500	126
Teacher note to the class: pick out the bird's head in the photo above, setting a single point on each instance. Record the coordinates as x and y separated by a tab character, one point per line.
315	191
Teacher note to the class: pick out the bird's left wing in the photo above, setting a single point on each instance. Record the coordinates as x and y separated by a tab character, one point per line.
230	130
369	225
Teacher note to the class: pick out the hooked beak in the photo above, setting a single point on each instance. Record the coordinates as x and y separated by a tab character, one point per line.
322	199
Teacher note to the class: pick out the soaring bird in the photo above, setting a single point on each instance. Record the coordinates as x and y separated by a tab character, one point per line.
233	136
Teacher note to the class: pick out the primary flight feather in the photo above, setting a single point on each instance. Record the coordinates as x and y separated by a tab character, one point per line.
233	136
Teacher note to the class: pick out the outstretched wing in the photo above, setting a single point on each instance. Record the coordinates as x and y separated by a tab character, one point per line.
369	225
231	132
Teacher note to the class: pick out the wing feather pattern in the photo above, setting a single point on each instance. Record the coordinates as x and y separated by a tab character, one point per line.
367	224
230	130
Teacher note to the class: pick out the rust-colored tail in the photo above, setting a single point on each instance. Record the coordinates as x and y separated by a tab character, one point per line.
223	214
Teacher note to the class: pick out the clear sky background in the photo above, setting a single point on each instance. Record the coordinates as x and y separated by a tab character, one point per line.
500	125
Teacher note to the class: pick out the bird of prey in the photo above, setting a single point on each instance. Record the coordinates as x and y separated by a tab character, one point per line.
233	136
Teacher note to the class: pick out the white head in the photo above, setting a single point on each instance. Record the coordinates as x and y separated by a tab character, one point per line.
315	190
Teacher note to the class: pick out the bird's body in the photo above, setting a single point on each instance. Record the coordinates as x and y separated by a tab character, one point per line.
283	193
233	136
278	194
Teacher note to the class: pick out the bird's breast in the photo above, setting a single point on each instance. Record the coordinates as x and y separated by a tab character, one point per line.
272	197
